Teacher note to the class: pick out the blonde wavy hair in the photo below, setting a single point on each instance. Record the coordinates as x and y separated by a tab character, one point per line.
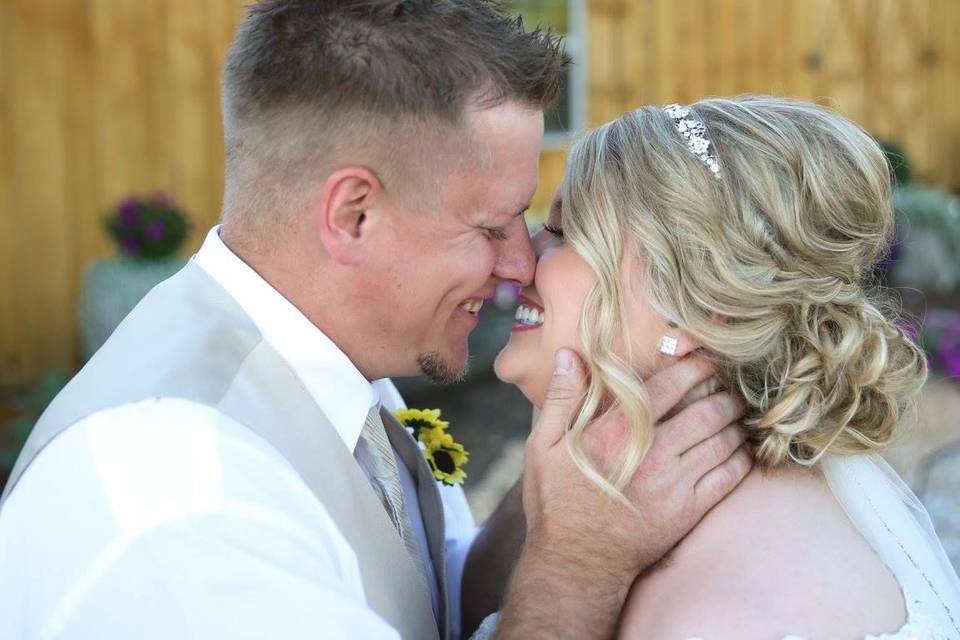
768	268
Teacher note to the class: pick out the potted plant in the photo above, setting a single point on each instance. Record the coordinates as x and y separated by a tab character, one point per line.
926	254
28	408
148	232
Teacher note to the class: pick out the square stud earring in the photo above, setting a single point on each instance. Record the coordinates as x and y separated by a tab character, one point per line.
668	345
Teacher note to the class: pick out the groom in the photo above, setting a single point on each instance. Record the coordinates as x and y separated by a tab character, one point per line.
227	465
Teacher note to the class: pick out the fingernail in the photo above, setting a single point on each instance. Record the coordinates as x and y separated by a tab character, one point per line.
564	362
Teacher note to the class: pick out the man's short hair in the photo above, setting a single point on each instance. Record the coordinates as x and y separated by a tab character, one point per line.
307	80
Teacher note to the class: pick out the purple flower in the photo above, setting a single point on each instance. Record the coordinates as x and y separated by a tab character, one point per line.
130	211
948	351
951	362
130	246
156	230
506	296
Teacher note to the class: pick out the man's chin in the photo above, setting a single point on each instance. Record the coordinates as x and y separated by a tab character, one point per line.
440	370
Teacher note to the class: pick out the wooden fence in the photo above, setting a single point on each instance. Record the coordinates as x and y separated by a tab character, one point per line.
102	98
98	99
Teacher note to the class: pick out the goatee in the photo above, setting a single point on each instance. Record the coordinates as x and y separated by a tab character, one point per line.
438	370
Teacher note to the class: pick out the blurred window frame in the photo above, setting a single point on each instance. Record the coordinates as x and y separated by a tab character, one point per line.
575	44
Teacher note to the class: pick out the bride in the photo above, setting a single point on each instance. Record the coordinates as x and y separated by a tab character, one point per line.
747	230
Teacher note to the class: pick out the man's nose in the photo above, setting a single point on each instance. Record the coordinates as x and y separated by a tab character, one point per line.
516	260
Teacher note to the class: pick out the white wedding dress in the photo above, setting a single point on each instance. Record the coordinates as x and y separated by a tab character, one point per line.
897	527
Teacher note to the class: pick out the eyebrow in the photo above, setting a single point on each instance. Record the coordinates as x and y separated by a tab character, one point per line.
519	212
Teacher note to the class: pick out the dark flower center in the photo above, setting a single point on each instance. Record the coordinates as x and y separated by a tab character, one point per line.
444	461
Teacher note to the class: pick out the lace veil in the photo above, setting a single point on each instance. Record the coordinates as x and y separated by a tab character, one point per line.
896	525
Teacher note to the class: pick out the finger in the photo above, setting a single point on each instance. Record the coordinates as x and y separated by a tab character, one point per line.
713	451
699	422
668	387
563	397
721	480
706	388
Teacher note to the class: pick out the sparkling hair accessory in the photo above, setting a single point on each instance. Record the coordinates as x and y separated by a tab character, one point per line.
694	135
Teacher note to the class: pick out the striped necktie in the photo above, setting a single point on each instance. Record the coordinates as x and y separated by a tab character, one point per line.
382	466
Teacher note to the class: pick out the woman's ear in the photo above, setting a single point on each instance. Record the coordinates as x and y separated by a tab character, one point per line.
342	216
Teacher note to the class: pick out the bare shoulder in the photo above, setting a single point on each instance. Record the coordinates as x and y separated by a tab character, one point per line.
777	557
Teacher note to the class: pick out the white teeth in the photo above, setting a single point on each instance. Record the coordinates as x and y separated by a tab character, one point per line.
529	316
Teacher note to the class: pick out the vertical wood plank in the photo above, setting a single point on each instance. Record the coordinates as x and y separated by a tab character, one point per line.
602	31
84	207
192	114
667	90
10	355
689	52
44	235
944	55
725	37
126	55
654	57
742	46
804	54
640	74
770	49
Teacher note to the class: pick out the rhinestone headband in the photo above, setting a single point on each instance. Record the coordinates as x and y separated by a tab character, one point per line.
694	134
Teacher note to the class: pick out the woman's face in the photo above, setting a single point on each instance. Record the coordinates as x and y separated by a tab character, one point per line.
549	315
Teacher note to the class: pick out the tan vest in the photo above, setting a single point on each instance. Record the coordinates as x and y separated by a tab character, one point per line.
189	339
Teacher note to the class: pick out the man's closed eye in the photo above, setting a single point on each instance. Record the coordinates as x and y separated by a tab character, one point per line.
495	233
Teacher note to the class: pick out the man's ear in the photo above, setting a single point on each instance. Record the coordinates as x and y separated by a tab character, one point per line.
342	215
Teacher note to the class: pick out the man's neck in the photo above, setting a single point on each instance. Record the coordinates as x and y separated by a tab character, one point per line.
299	281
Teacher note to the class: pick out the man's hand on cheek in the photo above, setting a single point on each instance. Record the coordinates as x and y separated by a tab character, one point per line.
593	544
695	459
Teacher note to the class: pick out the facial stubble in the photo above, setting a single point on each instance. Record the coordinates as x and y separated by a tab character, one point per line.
439	371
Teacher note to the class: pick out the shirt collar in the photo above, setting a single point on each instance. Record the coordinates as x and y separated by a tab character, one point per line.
330	377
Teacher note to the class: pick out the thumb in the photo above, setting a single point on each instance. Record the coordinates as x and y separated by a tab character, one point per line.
563	396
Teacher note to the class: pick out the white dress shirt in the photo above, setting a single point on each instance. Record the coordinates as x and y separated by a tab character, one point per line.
167	519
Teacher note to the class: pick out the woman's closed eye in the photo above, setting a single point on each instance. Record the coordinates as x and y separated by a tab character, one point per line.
556	231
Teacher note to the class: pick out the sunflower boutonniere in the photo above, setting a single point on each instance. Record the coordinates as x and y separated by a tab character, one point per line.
445	456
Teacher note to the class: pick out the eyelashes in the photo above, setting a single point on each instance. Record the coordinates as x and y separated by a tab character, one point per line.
557	231
495	233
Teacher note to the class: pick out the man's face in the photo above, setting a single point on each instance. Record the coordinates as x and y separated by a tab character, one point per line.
435	268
